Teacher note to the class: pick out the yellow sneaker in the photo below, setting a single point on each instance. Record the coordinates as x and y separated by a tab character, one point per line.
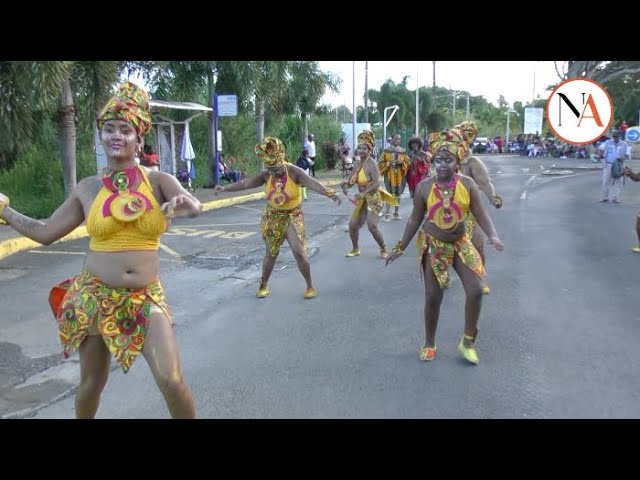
353	253
428	354
397	217
636	249
263	292
469	353
310	293
486	290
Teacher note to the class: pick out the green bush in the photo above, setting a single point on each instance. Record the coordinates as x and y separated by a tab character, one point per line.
34	184
36	187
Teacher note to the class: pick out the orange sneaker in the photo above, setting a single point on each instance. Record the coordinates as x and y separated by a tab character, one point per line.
428	353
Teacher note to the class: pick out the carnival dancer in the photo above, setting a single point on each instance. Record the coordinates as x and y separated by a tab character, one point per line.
394	165
116	305
420	164
475	168
370	196
282	217
442	202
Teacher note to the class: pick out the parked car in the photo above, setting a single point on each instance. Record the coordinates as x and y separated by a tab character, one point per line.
480	145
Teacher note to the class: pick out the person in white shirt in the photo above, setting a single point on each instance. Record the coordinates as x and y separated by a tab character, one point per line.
310	145
610	151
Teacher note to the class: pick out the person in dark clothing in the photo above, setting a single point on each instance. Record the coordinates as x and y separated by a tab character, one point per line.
303	163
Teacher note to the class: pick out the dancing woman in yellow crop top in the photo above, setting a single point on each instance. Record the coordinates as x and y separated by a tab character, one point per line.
116	305
442	203
283	217
370	196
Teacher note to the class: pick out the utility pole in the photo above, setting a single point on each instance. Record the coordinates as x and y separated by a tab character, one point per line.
366	92
353	95
468	109
434	75
453	100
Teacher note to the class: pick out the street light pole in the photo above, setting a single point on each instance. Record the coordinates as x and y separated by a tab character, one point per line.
353	95
509	111
417	101
385	122
366	92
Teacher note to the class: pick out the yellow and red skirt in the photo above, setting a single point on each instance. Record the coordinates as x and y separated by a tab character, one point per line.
374	202
84	305
441	255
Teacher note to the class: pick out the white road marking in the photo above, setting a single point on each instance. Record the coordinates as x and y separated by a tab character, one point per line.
51	251
169	250
249	208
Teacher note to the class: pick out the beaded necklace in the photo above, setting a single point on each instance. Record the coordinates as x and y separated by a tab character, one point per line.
445	213
278	196
124	204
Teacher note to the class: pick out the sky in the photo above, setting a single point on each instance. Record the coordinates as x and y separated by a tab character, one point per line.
516	81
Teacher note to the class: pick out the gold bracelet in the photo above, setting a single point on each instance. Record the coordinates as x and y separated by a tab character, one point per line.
329	192
397	248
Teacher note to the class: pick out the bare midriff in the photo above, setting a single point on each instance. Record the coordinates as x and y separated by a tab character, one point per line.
129	269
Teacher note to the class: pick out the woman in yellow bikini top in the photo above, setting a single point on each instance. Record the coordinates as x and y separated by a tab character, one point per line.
370	197
282	217
108	222
111	306
281	193
441	203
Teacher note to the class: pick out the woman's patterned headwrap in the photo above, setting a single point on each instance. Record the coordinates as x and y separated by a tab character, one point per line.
367	137
468	130
450	140
271	151
130	104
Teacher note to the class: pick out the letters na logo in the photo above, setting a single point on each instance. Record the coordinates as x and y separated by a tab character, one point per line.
579	111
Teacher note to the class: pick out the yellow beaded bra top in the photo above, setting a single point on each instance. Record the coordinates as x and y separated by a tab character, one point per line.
448	204
282	193
123	217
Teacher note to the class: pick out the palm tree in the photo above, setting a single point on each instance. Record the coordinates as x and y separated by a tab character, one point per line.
307	86
26	88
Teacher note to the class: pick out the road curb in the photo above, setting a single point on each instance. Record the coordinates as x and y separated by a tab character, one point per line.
227	202
18	244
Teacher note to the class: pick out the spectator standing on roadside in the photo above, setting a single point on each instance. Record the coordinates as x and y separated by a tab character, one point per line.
623	130
611	151
310	145
303	163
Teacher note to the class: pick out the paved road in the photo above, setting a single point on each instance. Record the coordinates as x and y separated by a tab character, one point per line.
557	332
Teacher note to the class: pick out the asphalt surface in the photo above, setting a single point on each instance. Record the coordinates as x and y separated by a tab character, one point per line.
557	331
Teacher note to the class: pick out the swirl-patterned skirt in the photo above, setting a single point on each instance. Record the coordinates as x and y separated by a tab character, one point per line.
120	316
441	254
